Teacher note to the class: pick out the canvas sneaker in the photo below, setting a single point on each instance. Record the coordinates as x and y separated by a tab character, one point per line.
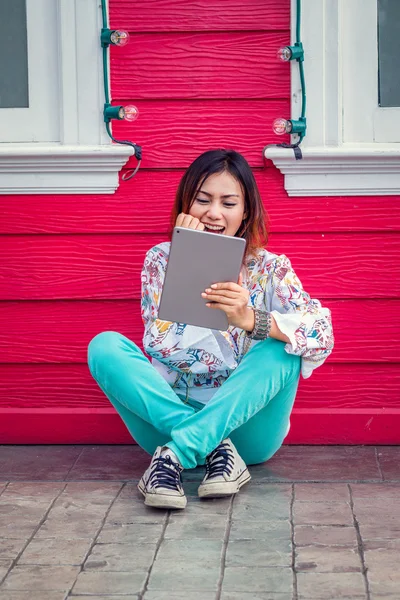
161	484
226	472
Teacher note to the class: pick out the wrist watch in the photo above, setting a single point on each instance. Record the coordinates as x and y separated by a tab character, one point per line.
262	325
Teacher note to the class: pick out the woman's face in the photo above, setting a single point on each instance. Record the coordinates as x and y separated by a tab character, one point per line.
220	203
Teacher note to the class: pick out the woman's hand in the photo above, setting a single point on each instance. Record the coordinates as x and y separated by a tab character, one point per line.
232	298
189	222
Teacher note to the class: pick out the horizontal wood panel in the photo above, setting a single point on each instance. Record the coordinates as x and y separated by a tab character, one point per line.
108	266
43	332
350	385
202	15
104	426
200	65
332	386
174	132
132	209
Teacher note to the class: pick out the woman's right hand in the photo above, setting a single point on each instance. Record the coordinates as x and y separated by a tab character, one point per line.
189	222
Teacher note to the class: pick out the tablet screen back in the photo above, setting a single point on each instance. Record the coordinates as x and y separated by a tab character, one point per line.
196	260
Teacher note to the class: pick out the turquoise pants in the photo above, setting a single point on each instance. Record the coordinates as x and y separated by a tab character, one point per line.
252	406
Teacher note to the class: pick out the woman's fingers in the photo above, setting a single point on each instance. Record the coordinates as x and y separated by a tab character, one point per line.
189	222
222	293
229	285
215	298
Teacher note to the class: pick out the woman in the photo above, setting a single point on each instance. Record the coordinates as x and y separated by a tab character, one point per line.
211	397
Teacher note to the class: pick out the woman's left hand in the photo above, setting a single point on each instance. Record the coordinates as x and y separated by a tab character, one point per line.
233	299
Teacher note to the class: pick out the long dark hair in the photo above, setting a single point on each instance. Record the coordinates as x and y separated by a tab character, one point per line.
255	227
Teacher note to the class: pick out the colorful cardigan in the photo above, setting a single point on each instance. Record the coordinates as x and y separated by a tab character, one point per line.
195	361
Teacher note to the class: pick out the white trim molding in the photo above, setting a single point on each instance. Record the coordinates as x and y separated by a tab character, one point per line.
332	165
80	158
342	171
62	169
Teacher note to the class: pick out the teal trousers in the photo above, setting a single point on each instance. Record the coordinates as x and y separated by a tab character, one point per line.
252	406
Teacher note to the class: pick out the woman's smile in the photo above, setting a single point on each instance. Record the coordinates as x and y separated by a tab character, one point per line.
213	228
219	204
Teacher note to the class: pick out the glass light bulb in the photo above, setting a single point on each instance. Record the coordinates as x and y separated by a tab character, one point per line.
281	126
284	54
119	37
131	112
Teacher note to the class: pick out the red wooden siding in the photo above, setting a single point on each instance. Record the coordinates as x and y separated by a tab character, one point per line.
203	74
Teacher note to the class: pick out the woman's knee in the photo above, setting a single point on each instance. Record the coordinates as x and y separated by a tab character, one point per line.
103	347
277	357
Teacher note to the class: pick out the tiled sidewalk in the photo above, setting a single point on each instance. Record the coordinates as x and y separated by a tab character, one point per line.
314	523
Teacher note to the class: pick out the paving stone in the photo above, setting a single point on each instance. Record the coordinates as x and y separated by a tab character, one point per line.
19	518
90	597
258	553
35	595
93	489
42	491
383	561
126	511
22	531
319	559
185	527
258	579
382	588
255	596
131	491
389	460
55	552
197	507
329	535
375	491
68	528
10	548
186	576
130	533
159	595
2	487
3	573
273	531
32	463
37	578
202	551
385	511
269	509
120	557
329	586
112	583
389	544
319	513
5	565
21	510
114	462
67	506
264	493
378	531
378	521
321	492
319	463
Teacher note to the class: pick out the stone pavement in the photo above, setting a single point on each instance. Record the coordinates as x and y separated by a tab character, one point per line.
314	523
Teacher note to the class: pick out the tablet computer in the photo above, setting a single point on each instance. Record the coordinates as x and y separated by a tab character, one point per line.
196	260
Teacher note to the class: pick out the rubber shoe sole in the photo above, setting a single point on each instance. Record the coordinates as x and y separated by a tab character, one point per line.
223	488
162	500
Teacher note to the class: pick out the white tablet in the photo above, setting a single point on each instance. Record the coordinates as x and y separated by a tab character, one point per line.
196	260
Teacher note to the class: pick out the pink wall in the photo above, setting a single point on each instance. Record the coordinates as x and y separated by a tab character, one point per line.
203	75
